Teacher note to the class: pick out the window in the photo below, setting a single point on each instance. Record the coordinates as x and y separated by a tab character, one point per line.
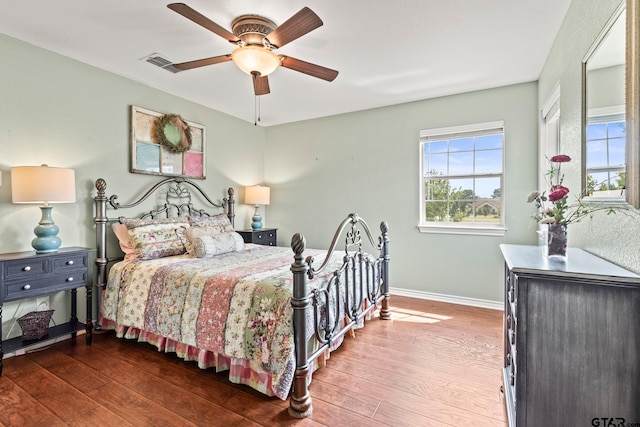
461	179
606	155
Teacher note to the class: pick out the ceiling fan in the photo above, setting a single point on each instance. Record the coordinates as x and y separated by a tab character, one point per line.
256	38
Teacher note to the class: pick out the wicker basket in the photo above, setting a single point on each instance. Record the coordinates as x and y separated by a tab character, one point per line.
35	325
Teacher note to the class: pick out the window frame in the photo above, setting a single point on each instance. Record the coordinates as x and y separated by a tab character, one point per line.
483	229
604	115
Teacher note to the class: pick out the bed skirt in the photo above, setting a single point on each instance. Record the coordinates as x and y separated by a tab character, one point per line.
241	371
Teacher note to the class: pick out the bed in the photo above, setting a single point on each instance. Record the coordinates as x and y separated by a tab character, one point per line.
184	281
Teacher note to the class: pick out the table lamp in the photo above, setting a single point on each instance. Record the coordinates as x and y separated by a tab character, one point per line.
43	184
257	195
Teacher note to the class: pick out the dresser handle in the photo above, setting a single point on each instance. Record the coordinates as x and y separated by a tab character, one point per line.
69	279
70	262
26	287
27	268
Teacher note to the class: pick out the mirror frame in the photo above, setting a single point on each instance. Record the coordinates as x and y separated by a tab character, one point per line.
632	104
606	200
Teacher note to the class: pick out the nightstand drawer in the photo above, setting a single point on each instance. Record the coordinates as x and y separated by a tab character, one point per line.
41	286
24	268
68	262
267	238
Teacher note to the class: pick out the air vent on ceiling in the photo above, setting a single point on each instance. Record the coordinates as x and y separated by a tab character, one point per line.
159	61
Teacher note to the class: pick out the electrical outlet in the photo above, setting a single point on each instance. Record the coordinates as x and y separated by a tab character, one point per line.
42	303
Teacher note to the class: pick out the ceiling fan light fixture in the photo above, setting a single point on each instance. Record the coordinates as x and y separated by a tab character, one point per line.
253	58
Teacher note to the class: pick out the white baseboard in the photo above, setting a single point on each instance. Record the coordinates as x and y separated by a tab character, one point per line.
453	299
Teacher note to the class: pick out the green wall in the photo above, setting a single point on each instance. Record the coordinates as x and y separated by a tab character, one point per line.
367	162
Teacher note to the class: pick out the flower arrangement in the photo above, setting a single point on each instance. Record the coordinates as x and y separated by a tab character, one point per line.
554	207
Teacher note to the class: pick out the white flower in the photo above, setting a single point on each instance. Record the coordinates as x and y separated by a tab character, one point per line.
532	196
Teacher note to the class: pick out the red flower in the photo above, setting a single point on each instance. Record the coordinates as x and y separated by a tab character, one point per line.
561	158
558	192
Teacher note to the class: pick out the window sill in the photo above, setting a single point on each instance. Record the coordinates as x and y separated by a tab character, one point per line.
613	201
464	230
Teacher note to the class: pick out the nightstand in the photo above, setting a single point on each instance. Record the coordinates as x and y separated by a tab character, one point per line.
30	275
264	236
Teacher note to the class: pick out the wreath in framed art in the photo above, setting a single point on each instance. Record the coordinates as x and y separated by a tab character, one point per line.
173	133
166	144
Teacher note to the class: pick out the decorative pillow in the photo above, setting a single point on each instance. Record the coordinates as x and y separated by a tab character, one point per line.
183	238
220	222
203	244
156	238
121	232
203	247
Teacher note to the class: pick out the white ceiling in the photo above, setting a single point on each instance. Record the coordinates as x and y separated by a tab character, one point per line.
387	52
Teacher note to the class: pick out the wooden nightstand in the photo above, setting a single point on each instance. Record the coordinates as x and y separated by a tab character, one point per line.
30	275
265	236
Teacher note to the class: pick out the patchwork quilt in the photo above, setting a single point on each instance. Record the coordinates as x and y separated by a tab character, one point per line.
234	307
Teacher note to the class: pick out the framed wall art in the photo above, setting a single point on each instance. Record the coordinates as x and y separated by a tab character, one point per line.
166	144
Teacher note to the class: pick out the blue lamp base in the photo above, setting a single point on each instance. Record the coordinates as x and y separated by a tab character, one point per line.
256	220
46	231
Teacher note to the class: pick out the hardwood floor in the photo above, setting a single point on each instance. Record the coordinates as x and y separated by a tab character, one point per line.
434	364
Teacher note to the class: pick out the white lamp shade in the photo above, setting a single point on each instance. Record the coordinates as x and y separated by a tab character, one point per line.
42	184
257	195
252	59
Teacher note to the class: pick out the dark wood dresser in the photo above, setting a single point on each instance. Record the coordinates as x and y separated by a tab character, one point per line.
571	340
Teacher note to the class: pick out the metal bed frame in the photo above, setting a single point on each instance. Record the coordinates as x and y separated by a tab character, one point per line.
364	278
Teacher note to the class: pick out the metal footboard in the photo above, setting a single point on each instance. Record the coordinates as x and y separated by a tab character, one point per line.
353	292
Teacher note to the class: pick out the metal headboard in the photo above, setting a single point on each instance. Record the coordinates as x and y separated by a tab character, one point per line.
177	201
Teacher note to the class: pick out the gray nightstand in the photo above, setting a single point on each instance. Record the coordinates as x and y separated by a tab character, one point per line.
30	275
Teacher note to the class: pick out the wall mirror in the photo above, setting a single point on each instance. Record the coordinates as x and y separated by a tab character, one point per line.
633	103
611	111
604	113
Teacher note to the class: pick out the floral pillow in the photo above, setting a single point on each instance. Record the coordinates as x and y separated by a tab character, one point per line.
202	243
220	222
156	238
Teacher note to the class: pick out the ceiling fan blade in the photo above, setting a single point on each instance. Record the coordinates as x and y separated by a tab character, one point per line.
297	26
202	20
202	62
308	68
260	85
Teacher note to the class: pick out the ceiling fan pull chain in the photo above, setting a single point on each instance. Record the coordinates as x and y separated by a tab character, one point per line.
256	110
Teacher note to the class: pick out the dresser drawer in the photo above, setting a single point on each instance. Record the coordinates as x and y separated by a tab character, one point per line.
27	288
24	268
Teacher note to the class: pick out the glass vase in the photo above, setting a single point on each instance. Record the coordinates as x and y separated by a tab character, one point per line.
556	245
